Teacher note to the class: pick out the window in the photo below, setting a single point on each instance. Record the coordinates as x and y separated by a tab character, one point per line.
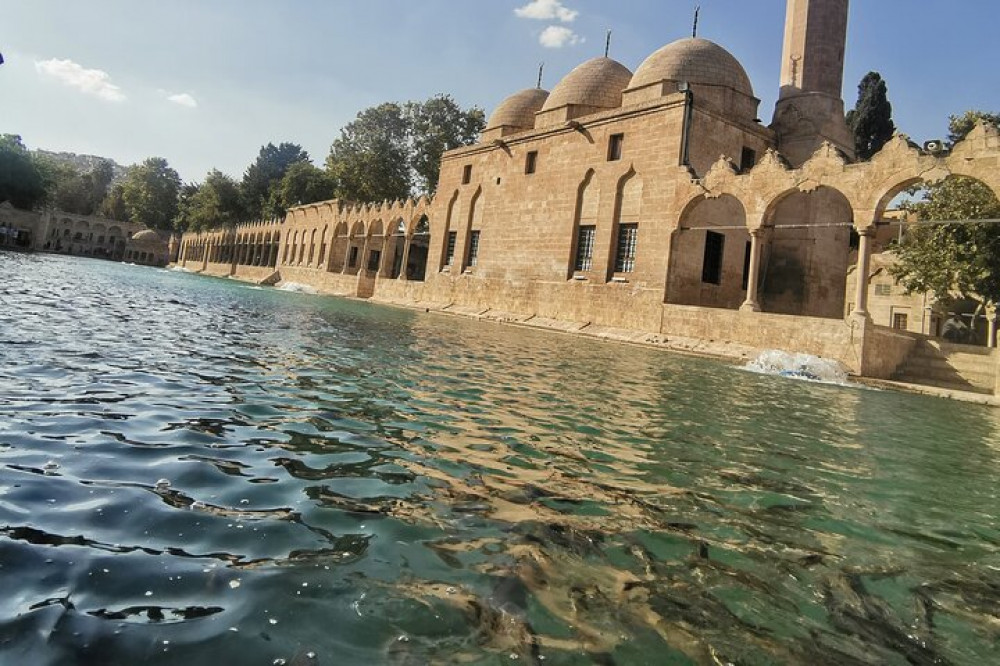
615	147
628	234
467	174
748	159
531	162
352	259
374	259
899	321
473	247
585	248
449	253
711	269
746	267
883	290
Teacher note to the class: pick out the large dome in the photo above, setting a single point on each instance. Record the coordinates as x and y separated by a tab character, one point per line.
696	61
147	237
598	82
519	109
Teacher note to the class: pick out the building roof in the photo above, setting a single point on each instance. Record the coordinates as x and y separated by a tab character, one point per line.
147	236
598	82
694	60
519	109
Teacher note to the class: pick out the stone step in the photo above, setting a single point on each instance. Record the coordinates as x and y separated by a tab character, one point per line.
953	348
984	381
963	365
952	385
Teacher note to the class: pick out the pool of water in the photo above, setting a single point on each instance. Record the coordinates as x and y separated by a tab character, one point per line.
199	471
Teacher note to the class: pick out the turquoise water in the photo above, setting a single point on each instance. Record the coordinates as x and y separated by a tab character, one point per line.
198	471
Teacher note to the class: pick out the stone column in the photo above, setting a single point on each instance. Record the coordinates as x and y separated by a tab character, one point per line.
864	268
751	304
991	335
406	257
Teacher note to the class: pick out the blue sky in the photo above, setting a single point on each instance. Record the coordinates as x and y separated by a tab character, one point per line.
204	83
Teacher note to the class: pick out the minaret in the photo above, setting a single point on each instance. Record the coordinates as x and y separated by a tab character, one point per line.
810	109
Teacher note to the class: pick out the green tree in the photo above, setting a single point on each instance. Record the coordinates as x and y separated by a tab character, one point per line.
21	182
953	259
150	193
370	161
73	190
871	118
265	172
303	183
437	125
217	202
113	206
960	126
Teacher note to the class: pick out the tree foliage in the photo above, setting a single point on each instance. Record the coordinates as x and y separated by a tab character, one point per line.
393	151
150	191
74	190
953	259
871	118
437	125
21	181
217	202
960	126
303	183
370	161
265	172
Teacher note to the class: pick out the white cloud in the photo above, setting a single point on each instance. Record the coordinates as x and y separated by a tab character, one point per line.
90	81
183	99
558	36
546	10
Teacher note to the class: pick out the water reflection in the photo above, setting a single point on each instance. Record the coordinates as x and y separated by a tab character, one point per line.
194	470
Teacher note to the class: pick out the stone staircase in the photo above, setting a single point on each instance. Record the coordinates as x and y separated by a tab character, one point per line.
949	366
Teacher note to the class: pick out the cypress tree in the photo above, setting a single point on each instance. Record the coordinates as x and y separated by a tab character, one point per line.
871	119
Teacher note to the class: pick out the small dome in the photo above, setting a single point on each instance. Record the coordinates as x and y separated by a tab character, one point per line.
519	109
146	236
694	60
598	82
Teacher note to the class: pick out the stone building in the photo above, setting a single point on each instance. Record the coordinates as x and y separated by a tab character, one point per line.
66	233
651	201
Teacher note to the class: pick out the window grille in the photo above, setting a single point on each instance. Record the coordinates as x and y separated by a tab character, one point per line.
585	248
628	235
449	254
883	290
474	247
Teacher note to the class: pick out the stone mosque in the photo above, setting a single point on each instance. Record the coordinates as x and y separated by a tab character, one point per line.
652	206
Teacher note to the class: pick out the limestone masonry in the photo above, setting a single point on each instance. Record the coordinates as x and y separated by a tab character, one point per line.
649	205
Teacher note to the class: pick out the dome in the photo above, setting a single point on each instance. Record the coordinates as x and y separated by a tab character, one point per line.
694	60
519	109
598	82
146	236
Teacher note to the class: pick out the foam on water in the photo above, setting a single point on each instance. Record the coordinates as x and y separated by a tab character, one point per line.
798	366
297	287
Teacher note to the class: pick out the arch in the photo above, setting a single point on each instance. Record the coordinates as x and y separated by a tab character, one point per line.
473	230
373	247
710	254
625	231
449	239
312	247
355	246
338	248
417	249
321	260
807	252
395	249
584	234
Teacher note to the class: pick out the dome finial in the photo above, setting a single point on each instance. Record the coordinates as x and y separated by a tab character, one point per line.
607	44
694	30
541	68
